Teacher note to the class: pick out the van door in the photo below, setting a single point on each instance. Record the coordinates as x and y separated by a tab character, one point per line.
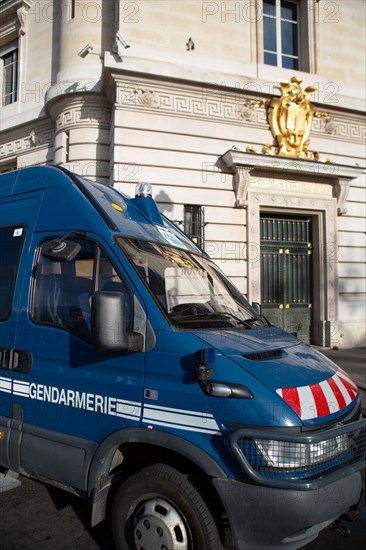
11	245
73	397
17	217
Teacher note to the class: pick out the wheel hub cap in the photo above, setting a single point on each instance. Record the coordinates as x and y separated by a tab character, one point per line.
157	525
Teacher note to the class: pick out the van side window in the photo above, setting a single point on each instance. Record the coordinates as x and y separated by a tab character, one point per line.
62	293
11	245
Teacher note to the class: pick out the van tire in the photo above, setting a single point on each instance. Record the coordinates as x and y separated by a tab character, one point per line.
159	508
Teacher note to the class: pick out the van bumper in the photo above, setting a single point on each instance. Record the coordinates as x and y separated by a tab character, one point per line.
271	518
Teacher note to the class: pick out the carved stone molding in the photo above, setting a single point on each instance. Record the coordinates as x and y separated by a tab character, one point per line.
225	106
249	110
147	98
39	137
330	126
83	116
79	111
341	128
244	165
190	103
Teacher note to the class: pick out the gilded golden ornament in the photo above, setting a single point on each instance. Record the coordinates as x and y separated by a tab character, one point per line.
290	118
314	155
267	150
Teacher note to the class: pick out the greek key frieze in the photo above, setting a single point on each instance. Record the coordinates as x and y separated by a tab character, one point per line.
83	115
235	110
36	138
340	128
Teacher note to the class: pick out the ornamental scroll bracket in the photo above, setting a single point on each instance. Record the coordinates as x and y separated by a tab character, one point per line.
242	164
241	183
341	188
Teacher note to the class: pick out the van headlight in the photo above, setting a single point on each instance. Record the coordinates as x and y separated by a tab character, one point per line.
286	454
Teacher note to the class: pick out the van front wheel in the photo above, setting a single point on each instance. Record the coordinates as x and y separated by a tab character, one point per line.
158	508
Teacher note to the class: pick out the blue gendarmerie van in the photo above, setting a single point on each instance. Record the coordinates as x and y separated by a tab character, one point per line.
134	374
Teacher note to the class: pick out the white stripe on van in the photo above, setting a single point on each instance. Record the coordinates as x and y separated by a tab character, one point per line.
5	385
180	419
168	417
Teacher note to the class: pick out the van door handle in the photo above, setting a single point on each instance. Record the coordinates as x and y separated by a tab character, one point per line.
5	358
20	360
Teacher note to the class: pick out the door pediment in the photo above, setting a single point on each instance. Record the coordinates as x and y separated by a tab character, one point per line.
280	174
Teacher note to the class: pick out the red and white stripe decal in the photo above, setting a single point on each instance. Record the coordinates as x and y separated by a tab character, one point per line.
317	400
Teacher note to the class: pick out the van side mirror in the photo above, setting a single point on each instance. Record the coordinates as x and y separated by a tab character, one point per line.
61	250
109	333
257	308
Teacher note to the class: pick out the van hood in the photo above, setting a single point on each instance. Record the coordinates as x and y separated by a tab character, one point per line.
312	385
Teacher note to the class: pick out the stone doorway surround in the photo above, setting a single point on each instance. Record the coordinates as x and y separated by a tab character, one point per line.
268	183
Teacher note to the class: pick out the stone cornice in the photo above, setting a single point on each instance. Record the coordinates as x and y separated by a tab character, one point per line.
12	14
9	7
243	165
174	66
237	157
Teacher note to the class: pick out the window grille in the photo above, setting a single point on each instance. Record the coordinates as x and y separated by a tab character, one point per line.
194	223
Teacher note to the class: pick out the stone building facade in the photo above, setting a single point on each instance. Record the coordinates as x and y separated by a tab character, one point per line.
177	93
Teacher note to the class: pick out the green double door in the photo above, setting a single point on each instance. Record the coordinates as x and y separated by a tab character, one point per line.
286	273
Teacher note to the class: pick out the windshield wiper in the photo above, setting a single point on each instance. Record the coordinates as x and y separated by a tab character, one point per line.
199	312
248	323
252	321
219	319
188	312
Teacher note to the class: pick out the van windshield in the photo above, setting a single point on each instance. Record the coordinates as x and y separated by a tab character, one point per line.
190	288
